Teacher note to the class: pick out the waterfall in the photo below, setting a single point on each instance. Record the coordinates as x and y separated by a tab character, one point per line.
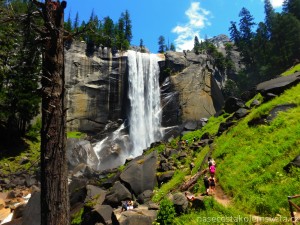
144	96
144	115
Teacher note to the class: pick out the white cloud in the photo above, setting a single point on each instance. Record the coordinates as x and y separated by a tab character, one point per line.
197	20
276	3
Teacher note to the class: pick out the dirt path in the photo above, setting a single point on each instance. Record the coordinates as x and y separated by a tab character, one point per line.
224	200
221	197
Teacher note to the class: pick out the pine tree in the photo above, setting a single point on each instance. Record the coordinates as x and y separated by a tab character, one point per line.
292	7
68	24
142	47
172	47
196	45
19	69
246	34
269	16
108	32
128	27
235	35
161	44
76	22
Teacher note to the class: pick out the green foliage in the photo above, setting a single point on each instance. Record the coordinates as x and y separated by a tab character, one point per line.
161	44
272	48
172	47
166	213
10	160
197	46
76	218
214	213
176	180
294	69
75	134
105	32
33	132
230	89
19	69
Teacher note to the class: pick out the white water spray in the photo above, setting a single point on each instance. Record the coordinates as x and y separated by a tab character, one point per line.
144	95
145	114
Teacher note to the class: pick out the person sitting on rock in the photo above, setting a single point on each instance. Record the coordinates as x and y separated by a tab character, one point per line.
128	204
189	197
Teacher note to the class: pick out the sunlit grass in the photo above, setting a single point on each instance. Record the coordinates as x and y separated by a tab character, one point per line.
292	70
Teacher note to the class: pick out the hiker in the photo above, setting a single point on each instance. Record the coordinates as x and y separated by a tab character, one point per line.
189	197
211	161
212	170
206	184
212	184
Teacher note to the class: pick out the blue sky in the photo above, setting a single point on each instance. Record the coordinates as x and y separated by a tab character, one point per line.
177	20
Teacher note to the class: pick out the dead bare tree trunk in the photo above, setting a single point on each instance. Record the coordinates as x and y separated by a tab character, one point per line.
54	183
192	181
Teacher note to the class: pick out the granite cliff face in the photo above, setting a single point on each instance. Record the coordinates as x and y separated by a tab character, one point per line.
190	91
95	88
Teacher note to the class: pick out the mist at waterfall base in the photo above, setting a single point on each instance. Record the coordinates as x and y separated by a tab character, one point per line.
144	116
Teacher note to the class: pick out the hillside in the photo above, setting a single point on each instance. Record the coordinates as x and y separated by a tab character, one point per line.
250	160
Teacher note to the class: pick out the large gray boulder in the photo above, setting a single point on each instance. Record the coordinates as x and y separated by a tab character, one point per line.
295	162
278	85
140	174
101	214
138	217
180	202
32	212
117	194
81	151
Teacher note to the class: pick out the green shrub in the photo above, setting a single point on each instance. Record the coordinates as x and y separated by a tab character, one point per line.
33	132
76	218
166	213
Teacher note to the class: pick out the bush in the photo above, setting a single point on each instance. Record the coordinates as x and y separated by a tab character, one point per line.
166	213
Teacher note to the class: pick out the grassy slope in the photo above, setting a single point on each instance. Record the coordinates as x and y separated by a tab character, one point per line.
250	164
292	70
251	159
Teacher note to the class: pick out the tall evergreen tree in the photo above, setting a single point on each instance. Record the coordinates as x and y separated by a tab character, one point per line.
19	69
68	24
76	22
292	7
235	35
196	45
285	42
161	44
269	16
142	47
172	47
108	32
246	34
128	26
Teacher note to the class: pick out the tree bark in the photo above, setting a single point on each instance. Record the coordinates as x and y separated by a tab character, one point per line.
54	183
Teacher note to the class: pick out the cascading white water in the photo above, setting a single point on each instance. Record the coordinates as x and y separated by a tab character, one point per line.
144	95
144	116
